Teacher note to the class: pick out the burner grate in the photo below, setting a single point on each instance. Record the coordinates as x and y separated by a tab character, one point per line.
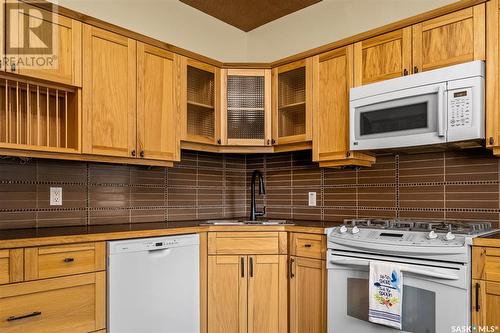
456	227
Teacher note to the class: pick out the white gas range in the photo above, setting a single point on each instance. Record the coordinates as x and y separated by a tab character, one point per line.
434	256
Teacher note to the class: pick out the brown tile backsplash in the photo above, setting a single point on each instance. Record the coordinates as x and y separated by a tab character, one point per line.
452	185
201	186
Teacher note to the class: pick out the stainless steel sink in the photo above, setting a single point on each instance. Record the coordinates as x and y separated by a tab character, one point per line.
246	222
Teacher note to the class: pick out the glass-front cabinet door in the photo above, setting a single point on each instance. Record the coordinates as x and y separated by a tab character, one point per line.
292	99
199	86
246	106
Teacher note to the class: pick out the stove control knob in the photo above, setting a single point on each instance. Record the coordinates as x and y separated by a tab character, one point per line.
354	230
343	229
432	235
449	236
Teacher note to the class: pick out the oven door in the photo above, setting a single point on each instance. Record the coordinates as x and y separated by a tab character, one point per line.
403	118
435	295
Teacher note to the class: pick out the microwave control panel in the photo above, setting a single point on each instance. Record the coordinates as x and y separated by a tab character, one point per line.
460	108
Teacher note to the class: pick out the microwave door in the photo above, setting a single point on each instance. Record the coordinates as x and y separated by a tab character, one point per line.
410	117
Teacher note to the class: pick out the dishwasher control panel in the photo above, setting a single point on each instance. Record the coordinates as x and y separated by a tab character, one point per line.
151	244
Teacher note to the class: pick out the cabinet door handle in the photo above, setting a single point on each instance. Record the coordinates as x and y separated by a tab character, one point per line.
273	141
132	153
415	69
142	153
405	72
291	268
307	245
251	266
242	267
492	141
478	287
69	259
33	314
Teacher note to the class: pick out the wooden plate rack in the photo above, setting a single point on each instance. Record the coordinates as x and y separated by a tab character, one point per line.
37	116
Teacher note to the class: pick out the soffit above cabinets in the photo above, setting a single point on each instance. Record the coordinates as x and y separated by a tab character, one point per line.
249	14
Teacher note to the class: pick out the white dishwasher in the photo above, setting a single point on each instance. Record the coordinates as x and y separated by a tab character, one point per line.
153	285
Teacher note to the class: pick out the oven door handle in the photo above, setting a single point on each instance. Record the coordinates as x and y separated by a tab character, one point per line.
404	268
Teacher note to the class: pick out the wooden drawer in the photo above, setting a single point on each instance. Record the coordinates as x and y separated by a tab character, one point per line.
486	263
11	266
247	242
52	261
68	304
308	245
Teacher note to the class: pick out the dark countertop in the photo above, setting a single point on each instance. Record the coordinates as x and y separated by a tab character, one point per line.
492	239
44	236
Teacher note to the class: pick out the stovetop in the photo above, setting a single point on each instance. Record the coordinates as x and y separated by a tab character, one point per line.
454	226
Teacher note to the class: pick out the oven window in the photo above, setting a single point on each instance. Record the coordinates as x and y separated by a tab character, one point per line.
400	118
419	306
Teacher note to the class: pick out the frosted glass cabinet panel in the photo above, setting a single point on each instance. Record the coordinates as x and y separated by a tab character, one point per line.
246	117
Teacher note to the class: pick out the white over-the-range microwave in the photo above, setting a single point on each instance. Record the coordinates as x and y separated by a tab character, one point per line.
436	107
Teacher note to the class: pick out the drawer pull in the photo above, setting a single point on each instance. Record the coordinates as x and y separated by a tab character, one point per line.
307	245
69	259
33	314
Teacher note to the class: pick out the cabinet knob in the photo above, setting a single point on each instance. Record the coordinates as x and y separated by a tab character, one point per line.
69	259
268	142
405	72
307	245
219	141
133	153
141	153
492	141
273	141
415	69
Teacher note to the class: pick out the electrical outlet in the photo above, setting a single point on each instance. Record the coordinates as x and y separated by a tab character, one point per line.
312	199
56	196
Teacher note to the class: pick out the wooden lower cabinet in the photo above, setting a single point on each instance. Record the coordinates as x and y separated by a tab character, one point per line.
247	293
67	304
307	295
485	303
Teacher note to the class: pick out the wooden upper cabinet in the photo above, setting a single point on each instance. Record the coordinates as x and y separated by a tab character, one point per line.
382	57
227	294
450	39
156	113
68	46
493	76
292	102
109	93
197	91
246	107
332	79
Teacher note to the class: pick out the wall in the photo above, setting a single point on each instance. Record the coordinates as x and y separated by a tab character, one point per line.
326	22
173	22
170	21
451	185
201	186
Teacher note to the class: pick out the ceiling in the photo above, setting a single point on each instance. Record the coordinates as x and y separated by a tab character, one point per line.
249	14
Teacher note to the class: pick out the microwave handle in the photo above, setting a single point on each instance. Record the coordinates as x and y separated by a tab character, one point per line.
441	121
404	268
